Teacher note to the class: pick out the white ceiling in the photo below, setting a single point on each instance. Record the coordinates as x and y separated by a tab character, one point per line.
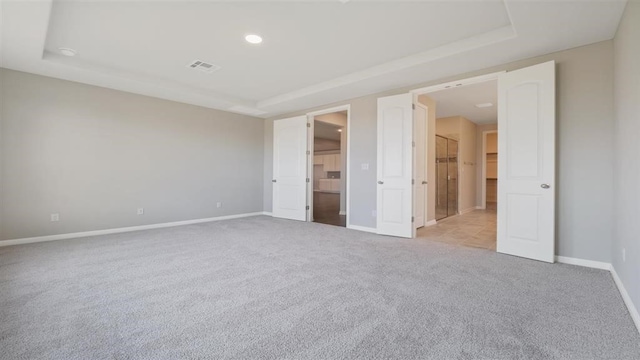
325	130
462	101
314	52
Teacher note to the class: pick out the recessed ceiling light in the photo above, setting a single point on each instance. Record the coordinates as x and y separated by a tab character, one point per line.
253	39
67	52
484	105
339	130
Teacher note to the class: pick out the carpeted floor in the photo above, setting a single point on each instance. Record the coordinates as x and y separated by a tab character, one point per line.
263	288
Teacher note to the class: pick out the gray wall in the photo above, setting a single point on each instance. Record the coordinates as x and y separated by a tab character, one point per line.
585	143
627	149
95	155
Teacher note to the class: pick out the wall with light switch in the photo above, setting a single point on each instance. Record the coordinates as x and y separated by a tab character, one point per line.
584	118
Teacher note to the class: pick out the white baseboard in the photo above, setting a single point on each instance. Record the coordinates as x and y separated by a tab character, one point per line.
606	266
121	230
480	207
582	262
462	212
342	213
430	223
627	299
267	213
362	228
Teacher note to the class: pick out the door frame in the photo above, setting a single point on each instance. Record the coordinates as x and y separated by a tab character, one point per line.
425	199
483	190
448	85
310	136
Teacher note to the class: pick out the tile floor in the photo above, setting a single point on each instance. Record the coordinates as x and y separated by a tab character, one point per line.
477	229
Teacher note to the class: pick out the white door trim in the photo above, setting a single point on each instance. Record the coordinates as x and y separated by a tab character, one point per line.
310	118
425	199
311	126
483	179
457	83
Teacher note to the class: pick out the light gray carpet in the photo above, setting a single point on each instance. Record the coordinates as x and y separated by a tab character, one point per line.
263	288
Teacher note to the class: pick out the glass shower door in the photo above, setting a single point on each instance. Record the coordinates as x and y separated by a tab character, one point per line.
441	177
452	184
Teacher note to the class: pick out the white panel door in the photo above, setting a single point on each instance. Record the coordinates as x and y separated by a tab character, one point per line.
526	162
290	168
395	166
420	170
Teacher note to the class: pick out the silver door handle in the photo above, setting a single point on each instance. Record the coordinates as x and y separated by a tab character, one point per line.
274	180
380	182
545	186
424	183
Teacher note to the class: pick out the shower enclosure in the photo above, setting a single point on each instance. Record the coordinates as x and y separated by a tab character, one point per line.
446	177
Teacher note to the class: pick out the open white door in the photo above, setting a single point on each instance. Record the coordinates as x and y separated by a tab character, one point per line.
395	166
526	162
420	164
290	168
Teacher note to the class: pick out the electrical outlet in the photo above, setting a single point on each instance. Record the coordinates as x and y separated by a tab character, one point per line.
55	217
624	255
140	211
364	166
218	204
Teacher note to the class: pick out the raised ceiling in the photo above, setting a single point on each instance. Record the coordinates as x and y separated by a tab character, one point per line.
462	101
314	52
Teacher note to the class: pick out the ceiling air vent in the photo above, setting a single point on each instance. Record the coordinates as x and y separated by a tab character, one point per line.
203	66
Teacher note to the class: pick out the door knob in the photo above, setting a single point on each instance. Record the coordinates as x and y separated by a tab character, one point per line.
545	186
424	183
380	182
274	180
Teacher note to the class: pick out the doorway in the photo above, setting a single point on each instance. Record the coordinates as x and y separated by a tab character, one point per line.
329	145
328	166
458	164
525	112
294	161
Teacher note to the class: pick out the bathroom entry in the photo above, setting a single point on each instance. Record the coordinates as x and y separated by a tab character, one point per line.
446	177
329	168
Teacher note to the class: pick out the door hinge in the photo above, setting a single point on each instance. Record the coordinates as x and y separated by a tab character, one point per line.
308	125
308	152
307	179
413	143
413	181
412	219
307	207
413	106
